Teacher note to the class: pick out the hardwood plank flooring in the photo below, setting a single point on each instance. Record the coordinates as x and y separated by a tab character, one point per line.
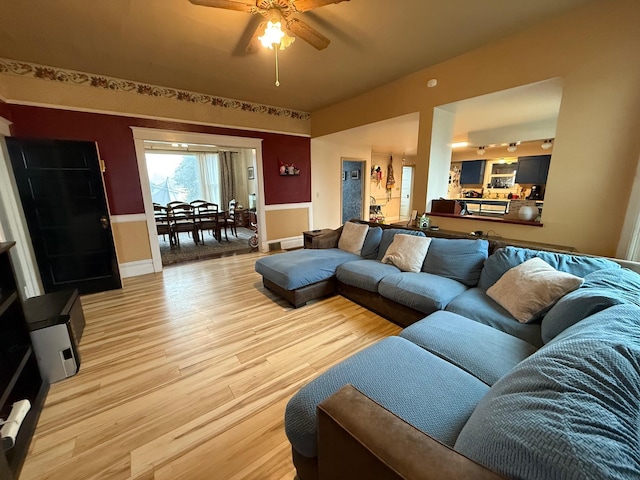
185	375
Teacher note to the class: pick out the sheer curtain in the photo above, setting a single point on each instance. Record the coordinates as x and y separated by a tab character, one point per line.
209	169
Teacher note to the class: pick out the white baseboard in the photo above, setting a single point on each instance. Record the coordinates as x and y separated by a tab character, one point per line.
285	243
295	242
134	269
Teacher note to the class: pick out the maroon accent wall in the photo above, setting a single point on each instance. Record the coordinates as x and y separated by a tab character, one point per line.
4	110
115	143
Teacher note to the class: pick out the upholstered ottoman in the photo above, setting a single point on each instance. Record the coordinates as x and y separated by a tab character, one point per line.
303	275
430	393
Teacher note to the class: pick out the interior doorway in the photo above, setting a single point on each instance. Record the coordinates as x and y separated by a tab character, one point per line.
196	185
352	189
148	134
406	192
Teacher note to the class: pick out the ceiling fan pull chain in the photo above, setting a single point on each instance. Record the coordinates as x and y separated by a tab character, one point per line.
277	74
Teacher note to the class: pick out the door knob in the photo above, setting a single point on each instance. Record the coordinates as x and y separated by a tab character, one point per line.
104	221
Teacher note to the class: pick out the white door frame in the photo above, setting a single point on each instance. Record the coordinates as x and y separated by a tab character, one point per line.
413	171
141	134
14	224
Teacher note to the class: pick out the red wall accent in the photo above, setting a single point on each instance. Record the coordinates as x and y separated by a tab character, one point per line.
115	142
4	110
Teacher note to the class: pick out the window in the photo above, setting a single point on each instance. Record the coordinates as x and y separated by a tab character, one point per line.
183	177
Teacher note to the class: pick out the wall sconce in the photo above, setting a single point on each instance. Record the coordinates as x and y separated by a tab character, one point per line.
481	150
512	147
547	144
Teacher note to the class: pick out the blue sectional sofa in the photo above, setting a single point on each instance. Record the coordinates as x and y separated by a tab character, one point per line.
451	267
468	391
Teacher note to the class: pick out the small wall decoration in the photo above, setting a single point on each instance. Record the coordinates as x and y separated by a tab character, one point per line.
289	169
250	173
376	174
390	180
355	174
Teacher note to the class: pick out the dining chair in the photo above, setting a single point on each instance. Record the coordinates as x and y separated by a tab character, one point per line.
197	203
170	205
182	219
209	217
163	225
231	217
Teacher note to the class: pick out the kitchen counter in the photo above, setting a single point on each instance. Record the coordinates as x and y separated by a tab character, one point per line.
490	207
495	201
486	218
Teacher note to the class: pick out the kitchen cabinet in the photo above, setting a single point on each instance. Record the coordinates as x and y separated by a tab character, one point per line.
502	175
472	172
533	169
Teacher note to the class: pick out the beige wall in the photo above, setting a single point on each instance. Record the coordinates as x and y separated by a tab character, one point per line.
286	223
132	241
594	51
326	180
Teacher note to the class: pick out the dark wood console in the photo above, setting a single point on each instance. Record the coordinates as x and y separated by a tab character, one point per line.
19	374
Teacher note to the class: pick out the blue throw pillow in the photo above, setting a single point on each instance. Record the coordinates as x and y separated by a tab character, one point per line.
506	258
371	243
574	307
457	259
387	238
625	282
601	289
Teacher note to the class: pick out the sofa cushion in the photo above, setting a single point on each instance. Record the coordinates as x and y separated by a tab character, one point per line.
601	289
365	274
459	259
476	305
407	252
486	353
508	257
421	291
352	237
574	307
300	268
387	238
531	288
570	411
625	282
371	243
429	393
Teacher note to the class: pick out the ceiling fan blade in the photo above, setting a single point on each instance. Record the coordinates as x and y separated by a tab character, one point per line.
226	4
305	5
254	43
308	34
267	4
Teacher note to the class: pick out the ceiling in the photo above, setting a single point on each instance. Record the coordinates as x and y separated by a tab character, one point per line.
176	44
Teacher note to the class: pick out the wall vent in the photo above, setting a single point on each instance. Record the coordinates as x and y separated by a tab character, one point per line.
275	246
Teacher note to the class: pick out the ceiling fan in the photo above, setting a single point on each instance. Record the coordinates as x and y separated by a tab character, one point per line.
277	10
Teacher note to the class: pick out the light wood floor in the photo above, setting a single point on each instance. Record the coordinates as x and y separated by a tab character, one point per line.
185	375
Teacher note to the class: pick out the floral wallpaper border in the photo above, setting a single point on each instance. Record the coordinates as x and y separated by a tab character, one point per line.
100	81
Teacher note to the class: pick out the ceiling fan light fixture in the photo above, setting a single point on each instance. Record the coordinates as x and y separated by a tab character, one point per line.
273	33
